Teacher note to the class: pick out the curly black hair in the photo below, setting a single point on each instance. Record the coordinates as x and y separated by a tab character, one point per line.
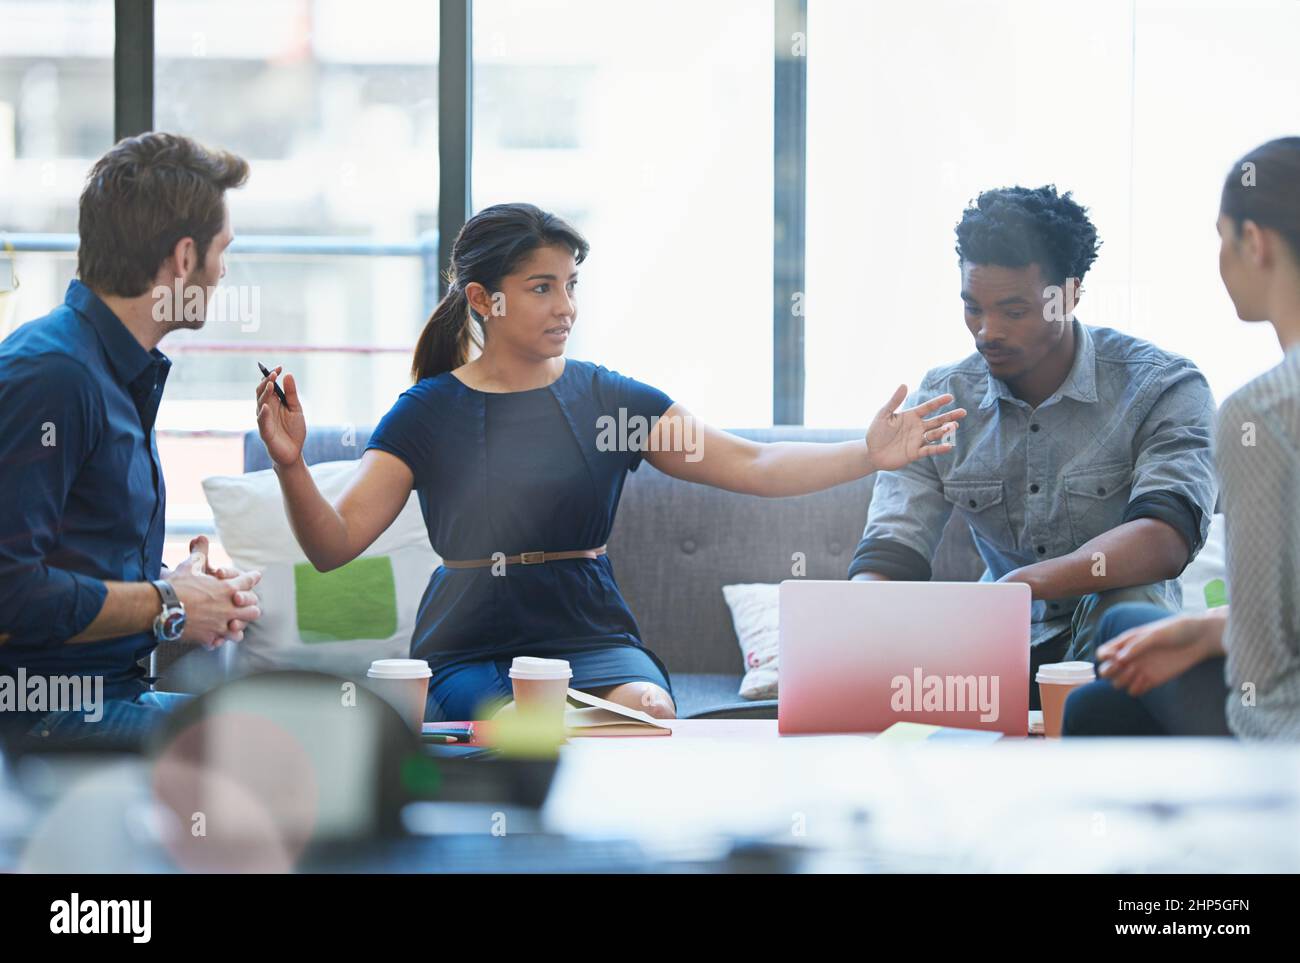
1018	226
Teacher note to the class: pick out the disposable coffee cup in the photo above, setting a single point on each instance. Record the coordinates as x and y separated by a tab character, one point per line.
540	685
1055	683
404	685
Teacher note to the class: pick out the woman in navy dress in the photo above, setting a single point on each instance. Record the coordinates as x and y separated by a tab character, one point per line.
519	453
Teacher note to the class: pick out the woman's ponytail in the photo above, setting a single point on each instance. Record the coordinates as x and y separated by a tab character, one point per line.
445	343
492	244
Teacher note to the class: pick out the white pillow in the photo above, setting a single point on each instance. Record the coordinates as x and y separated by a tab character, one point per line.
336	622
755	615
1205	580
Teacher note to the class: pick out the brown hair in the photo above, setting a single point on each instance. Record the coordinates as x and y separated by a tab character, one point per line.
141	198
491	245
1268	190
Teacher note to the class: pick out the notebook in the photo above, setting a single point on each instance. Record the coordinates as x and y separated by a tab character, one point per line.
597	717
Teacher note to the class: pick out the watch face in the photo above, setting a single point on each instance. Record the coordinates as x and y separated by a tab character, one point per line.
173	624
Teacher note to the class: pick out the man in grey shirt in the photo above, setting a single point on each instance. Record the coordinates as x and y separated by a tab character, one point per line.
1083	467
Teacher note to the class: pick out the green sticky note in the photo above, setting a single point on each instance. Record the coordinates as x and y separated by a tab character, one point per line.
357	601
1216	593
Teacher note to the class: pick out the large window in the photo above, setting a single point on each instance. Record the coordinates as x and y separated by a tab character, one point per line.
652	131
651	127
339	123
1139	108
56	117
334	268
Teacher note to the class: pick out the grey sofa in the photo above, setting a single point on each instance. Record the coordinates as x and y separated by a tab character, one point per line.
675	545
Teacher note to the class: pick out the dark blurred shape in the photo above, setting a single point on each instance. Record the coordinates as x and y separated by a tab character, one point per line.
259	769
271	770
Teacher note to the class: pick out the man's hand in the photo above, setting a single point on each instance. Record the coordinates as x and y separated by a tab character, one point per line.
1150	655
1028	574
235	630
898	438
219	603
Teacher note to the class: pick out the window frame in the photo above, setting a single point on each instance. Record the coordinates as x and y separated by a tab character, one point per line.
133	113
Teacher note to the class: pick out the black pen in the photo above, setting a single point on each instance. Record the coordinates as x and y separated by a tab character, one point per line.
278	392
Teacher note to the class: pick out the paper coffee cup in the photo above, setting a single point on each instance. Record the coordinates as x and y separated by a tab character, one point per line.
1056	681
404	685
540	685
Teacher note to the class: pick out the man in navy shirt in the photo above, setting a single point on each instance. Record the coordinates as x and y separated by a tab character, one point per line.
83	594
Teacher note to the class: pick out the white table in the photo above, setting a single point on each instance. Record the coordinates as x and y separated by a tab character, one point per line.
1105	805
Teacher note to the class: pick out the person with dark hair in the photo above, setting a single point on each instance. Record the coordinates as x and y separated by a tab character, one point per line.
82	589
1233	669
1087	474
519	456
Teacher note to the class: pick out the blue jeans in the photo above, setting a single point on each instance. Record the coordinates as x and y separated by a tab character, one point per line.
462	691
1191	704
126	723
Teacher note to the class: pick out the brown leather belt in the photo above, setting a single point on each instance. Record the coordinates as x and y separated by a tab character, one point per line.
526	558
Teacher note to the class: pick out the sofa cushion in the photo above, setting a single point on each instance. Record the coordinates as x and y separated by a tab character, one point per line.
338	621
697	691
755	615
1205	579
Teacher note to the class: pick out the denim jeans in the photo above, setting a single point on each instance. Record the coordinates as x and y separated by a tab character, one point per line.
126	722
1192	704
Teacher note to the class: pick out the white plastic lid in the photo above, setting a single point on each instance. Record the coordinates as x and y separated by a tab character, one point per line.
399	669
1066	673
529	667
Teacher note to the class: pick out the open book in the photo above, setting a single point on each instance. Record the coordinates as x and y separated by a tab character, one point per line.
596	717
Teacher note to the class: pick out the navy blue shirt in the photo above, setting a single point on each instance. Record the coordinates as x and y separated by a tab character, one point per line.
82	498
520	472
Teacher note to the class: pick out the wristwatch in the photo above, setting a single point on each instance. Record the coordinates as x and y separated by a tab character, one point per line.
170	623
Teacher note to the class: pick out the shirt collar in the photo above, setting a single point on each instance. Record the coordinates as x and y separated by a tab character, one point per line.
127	356
1080	384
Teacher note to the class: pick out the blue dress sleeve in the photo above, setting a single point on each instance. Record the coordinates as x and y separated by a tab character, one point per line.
637	398
407	432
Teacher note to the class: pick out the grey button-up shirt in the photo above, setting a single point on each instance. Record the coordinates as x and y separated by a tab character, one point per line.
1127	435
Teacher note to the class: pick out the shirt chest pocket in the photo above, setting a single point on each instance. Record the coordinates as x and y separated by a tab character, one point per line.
1095	499
983	503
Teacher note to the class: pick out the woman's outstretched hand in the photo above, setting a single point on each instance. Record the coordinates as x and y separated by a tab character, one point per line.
282	426
898	438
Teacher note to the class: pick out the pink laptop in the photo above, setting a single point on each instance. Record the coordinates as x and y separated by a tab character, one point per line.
860	656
